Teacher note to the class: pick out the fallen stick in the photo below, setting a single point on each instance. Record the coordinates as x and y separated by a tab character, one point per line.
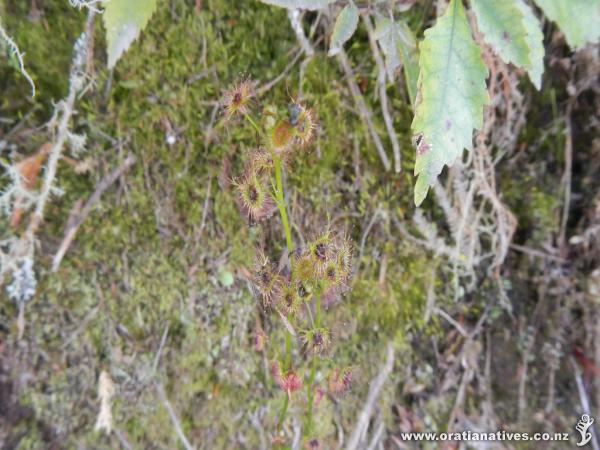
363	109
383	98
584	400
176	424
71	230
363	419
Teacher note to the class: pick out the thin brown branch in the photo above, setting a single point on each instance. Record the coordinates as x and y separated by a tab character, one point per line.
66	109
173	416
585	402
261	90
106	182
383	98
19	56
364	111
376	385
562	237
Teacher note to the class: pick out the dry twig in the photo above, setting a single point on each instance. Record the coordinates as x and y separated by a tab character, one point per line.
165	401
70	232
383	98
363	109
362	423
19	55
583	398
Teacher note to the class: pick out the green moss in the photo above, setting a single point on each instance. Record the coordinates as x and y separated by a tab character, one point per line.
142	259
33	30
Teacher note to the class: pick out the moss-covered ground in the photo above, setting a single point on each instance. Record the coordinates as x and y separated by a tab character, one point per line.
165	252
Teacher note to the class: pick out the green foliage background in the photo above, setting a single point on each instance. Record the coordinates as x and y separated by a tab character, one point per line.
141	262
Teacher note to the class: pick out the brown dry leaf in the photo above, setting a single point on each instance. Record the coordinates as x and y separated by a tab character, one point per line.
405	419
106	390
29	169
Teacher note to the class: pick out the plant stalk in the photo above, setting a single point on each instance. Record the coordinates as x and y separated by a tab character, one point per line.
253	123
280	200
313	368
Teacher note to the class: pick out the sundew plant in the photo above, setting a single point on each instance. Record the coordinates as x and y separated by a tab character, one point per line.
299	224
307	279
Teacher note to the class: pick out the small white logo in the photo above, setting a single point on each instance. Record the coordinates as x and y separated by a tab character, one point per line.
582	426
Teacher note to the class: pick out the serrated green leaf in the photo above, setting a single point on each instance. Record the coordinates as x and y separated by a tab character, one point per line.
503	28
387	36
399	46
535	41
299	4
514	32
344	28
124	20
410	60
452	93
579	20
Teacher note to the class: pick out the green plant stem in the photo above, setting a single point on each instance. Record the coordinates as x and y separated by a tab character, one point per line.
287	367
318	309
253	123
310	314
281	203
280	200
313	368
288	239
288	351
310	395
283	411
